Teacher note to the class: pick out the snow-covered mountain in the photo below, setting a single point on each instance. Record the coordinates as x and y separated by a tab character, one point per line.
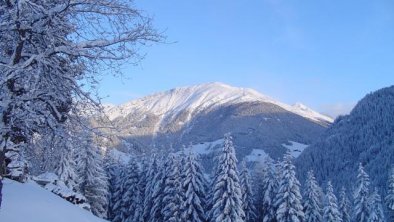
196	98
364	136
30	202
204	113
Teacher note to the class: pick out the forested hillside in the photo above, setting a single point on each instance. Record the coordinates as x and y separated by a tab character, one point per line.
364	136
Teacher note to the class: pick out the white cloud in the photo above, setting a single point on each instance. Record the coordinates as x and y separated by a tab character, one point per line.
337	109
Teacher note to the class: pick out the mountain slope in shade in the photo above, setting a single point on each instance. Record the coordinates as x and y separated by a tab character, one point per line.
29	202
364	136
204	113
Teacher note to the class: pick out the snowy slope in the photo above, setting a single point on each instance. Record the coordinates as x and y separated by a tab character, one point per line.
204	148
295	148
31	203
199	97
256	155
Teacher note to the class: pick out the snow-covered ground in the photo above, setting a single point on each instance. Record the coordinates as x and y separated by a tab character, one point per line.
30	203
295	148
204	148
256	155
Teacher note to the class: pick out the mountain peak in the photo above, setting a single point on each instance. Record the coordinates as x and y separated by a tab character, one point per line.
214	84
219	88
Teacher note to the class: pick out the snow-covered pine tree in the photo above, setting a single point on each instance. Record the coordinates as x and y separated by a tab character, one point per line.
140	197
376	209
182	157
226	189
344	206
390	194
130	186
114	193
66	169
116	206
113	170
173	193
312	199
150	185
331	212
361	194
194	186
269	189
278	174
258	173
158	192
248	203
82	143
288	198
94	180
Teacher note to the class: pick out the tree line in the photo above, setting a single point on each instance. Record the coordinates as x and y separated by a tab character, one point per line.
175	188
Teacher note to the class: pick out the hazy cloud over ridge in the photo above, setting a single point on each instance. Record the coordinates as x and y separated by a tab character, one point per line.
336	109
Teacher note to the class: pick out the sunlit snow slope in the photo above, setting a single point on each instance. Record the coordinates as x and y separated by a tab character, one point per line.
30	203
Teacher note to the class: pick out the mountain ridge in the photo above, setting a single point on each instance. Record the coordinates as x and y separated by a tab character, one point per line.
203	95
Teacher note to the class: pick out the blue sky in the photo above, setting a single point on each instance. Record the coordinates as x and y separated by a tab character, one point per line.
326	54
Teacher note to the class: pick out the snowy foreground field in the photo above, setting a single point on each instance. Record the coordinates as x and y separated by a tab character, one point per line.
30	203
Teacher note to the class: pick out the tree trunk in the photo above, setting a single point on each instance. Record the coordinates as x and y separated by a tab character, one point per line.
1	190
2	163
